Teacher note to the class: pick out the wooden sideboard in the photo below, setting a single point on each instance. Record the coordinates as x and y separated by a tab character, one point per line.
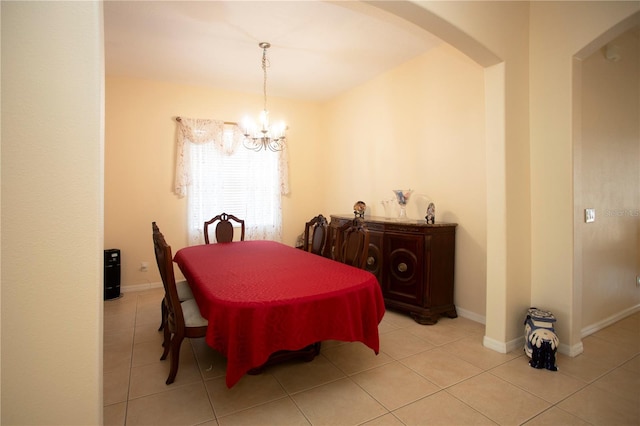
414	263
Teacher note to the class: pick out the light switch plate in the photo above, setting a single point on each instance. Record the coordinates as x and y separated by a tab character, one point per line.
589	215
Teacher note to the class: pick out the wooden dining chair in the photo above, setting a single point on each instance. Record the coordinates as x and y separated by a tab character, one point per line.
352	243
224	228
316	233
183	318
184	293
182	286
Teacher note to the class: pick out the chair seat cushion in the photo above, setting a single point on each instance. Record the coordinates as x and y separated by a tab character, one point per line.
184	291
191	313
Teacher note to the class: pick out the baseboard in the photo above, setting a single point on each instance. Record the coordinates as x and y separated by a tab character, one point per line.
589	330
140	287
471	316
489	343
563	348
494	345
516	344
571	351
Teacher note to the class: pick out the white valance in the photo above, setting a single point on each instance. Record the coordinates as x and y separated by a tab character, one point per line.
199	131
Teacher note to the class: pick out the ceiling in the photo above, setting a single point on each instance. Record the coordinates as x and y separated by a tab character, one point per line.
318	50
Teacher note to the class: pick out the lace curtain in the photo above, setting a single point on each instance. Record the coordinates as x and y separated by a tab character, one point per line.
217	173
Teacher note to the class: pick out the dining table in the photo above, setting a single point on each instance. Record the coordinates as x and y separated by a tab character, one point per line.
264	297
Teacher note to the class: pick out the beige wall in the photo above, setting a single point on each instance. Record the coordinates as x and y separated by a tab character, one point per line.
51	315
140	164
419	126
610	174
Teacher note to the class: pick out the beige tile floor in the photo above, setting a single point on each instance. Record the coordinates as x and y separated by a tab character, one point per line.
423	375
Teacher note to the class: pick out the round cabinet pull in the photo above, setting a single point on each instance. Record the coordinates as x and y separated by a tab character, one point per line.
371	261
402	267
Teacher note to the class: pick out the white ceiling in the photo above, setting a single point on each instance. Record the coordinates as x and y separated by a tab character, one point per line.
318	48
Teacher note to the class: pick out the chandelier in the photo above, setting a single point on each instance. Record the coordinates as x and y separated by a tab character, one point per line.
266	136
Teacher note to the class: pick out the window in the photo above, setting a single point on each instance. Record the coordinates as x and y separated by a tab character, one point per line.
220	175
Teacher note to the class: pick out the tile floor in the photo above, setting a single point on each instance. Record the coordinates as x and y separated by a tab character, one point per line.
423	375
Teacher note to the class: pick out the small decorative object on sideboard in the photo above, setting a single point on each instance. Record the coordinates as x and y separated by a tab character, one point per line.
388	205
540	341
359	208
431	214
402	196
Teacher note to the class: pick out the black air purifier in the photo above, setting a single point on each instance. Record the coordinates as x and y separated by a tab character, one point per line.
111	274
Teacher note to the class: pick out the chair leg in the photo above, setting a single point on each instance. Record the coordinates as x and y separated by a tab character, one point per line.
166	343
175	344
163	315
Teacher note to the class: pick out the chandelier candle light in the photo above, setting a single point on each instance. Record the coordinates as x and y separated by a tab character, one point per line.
267	136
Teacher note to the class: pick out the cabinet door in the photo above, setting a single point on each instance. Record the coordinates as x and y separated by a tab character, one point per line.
404	260
374	255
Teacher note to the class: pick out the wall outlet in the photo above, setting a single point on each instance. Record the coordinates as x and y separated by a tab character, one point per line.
589	215
144	267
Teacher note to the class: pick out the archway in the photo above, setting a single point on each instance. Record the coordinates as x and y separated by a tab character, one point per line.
497	315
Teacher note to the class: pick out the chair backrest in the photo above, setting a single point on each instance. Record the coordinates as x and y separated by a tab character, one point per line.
315	235
224	228
352	243
164	259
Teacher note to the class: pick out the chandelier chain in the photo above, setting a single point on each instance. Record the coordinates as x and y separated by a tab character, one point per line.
265	65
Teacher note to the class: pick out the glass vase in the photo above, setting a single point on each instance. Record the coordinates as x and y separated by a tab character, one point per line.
402	197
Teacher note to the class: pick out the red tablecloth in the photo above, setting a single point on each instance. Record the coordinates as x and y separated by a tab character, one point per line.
262	296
